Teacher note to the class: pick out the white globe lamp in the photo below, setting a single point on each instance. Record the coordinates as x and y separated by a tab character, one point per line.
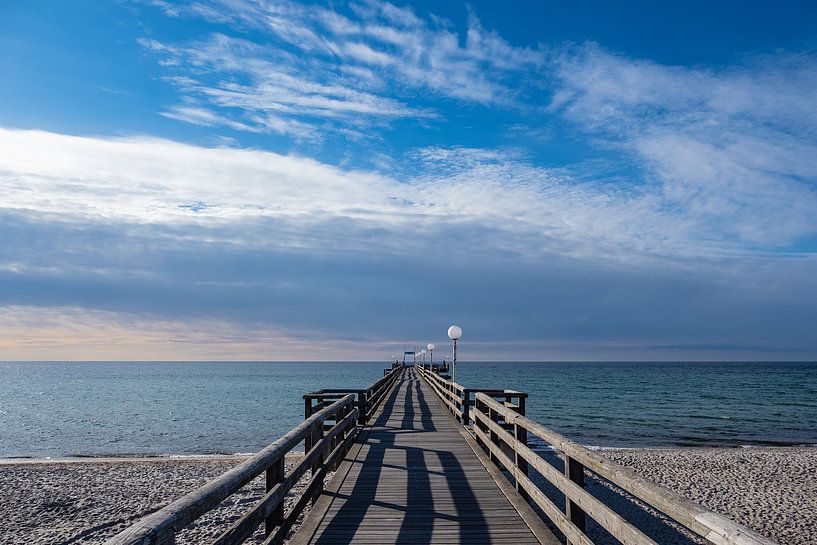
454	333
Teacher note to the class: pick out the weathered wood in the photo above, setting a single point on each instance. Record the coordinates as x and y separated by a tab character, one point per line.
295	511
604	515
246	525
413	479
417	476
458	399
275	475
159	527
715	528
571	532
367	398
575	472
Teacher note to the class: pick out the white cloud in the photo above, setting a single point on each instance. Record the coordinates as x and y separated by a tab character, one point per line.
718	158
166	236
508	203
732	150
348	71
203	117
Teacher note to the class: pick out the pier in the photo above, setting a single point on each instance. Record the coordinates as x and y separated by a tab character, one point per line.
417	458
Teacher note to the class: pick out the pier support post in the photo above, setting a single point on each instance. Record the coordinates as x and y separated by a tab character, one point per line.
574	471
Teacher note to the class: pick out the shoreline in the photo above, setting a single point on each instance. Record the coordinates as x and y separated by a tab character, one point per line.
114	458
127	458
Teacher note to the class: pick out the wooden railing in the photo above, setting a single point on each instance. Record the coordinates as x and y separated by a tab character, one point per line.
501	428
459	400
435	367
329	428
367	399
327	445
498	429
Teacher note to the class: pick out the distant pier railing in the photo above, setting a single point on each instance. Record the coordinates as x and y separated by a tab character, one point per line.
459	400
501	428
327	432
367	399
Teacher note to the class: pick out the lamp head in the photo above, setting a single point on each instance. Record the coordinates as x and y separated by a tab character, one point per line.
431	346
454	332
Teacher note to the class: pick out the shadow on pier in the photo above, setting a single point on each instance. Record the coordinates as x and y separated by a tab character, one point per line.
414	480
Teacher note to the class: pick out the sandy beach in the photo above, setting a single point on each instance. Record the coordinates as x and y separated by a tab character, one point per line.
88	501
771	490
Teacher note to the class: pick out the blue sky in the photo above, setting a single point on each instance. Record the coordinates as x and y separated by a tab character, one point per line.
238	179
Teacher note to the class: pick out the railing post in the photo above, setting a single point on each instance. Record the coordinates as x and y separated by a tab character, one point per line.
466	398
307	414
492	416
317	435
521	435
362	402
574	471
335	440
477	424
275	475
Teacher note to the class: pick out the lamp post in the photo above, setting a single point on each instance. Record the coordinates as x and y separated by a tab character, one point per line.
454	333
423	354
431	348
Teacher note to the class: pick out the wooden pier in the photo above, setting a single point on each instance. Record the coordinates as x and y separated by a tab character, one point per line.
417	458
413	478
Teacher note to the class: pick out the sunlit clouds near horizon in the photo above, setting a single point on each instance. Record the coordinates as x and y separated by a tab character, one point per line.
329	181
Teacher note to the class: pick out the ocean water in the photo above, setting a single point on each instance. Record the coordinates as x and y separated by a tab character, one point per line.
59	409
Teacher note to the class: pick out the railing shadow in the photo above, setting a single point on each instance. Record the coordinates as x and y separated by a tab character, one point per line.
349	517
459	510
426	417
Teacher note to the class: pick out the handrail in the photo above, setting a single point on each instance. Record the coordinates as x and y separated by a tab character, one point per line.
497	429
368	399
325	450
458	399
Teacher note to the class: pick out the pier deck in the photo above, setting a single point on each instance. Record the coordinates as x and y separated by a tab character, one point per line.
422	459
414	478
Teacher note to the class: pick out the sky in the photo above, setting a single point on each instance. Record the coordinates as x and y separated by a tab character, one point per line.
252	180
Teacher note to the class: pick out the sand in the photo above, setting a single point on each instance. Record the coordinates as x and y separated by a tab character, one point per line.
88	501
771	490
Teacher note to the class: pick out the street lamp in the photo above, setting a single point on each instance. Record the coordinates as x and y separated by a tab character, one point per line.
454	333
423	354
431	348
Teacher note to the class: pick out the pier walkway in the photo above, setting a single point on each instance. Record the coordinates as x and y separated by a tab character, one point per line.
417	458
413	478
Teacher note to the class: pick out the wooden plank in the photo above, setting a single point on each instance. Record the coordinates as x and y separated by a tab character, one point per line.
601	513
414	479
575	472
160	527
712	526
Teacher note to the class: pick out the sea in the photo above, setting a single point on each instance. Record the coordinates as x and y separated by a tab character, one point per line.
86	409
